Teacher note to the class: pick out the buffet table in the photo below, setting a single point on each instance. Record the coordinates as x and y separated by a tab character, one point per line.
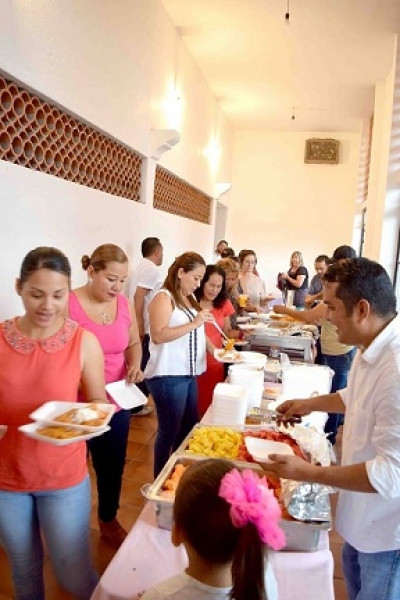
147	557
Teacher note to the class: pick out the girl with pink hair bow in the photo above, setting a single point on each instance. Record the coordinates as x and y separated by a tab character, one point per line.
224	518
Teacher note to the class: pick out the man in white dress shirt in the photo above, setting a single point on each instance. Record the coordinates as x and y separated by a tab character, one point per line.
144	283
361	303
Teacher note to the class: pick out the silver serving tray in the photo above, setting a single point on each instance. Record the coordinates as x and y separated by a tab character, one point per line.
300	536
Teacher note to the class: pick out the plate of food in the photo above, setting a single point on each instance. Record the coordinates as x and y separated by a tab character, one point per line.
80	415
227	356
58	435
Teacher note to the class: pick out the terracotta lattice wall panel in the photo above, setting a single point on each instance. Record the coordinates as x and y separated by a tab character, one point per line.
39	136
175	196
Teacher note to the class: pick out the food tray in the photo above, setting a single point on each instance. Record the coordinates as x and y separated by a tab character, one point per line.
300	536
183	448
31	430
48	412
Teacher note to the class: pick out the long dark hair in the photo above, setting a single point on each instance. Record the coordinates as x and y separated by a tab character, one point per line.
221	298
44	257
204	519
189	261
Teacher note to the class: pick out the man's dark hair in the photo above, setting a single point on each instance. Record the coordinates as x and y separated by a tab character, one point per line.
227	253
344	252
149	245
363	279
323	258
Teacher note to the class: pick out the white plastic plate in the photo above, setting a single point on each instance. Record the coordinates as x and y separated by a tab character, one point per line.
126	396
260	316
260	449
31	430
243	319
48	412
251	327
231	357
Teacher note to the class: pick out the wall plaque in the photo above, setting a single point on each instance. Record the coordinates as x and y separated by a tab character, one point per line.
322	151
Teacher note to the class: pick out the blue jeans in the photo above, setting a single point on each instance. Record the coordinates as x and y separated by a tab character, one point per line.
176	403
64	518
108	456
340	365
371	576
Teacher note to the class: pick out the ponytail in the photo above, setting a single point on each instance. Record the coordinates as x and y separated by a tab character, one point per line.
249	583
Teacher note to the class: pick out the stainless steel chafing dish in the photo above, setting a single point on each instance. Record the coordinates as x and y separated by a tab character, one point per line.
300	536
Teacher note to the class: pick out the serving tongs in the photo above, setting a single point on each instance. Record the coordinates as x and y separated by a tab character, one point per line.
220	330
267	417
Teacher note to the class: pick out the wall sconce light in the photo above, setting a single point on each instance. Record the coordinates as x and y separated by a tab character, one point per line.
163	140
213	153
173	109
222	188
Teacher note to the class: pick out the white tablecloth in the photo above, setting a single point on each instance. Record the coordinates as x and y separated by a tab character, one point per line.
147	557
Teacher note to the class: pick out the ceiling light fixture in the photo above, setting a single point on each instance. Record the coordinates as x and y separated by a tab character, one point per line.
287	14
294	113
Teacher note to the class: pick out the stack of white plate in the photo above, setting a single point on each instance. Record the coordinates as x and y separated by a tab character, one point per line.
250	377
254	358
229	405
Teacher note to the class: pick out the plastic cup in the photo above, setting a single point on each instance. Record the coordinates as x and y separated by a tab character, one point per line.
242	300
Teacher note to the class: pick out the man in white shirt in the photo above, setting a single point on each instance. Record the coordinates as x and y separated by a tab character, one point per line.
361	303
144	283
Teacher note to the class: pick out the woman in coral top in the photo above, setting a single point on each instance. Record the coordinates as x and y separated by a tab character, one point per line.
100	308
45	489
211	295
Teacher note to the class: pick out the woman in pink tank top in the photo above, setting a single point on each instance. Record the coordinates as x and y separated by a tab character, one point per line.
44	488
100	308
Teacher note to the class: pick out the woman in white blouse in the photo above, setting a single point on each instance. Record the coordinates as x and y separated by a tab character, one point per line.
177	353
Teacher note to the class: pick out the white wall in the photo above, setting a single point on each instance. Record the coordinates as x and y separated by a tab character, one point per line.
278	204
383	203
111	68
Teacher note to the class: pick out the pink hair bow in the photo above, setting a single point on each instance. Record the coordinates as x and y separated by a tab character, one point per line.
252	501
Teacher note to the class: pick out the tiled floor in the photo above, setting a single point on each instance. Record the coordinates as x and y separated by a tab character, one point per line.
138	471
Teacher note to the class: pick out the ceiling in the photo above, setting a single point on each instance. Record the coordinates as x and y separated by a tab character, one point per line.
321	65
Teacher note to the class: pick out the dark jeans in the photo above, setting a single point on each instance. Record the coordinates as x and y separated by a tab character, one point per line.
176	403
371	576
108	455
341	366
145	359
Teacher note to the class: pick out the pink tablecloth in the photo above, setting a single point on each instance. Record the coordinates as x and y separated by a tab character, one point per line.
147	556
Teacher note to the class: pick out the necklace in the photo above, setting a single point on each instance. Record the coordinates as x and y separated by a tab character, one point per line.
106	318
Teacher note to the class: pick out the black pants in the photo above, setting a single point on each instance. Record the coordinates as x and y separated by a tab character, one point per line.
108	453
145	359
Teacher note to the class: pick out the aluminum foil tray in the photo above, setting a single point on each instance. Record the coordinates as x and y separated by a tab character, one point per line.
300	536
